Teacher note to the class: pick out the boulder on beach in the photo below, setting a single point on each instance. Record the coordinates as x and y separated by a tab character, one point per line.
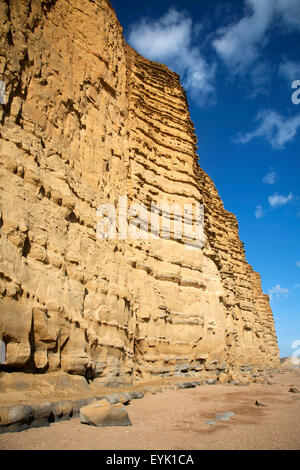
103	413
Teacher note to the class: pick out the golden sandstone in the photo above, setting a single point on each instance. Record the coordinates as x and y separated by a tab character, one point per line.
87	120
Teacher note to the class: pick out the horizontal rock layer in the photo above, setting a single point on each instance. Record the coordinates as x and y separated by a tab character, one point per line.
87	120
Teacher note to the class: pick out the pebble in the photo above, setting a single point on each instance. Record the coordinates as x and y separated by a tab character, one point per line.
259	403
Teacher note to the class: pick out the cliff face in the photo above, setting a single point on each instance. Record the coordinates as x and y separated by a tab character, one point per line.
87	120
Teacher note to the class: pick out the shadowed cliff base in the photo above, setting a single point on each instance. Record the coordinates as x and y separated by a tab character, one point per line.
177	420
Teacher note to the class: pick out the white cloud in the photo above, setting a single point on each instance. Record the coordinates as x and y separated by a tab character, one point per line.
239	44
277	200
274	127
297	286
289	13
270	177
298	264
259	212
164	37
276	292
169	40
289	70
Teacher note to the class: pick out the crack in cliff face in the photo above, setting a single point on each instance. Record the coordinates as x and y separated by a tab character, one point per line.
86	122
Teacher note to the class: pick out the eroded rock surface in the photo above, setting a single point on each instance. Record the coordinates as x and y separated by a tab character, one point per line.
87	120
102	413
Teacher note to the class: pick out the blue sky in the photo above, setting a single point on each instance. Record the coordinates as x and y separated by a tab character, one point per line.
238	60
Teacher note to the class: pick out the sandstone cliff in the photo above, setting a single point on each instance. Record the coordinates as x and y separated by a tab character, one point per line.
86	120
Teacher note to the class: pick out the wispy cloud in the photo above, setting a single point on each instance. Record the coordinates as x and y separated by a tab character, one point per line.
289	70
277	200
171	40
259	212
276	292
239	44
270	177
273	127
297	286
298	264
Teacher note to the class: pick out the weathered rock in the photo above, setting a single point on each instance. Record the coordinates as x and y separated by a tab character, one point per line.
42	414
224	378
102	413
136	395
259	403
186	385
293	390
114	398
62	410
242	383
240	378
260	380
85	123
15	418
78	404
15	386
211	381
124	398
198	382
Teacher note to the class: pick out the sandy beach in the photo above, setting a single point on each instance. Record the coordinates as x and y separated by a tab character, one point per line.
177	419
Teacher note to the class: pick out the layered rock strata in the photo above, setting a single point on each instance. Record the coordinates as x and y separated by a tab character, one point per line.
87	120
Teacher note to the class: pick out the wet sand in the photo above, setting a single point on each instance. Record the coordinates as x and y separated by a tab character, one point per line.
176	420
